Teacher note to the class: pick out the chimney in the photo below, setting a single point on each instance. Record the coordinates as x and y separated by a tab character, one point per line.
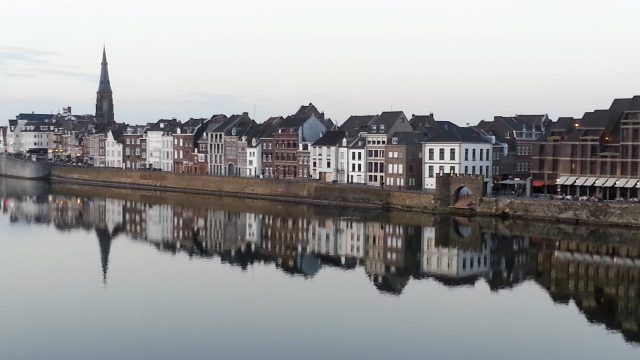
244	113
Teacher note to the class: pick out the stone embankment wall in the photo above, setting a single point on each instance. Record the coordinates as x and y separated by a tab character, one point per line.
298	191
25	169
311	192
574	212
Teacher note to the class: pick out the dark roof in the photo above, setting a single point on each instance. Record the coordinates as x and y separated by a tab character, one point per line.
407	138
309	110
457	134
34	117
292	122
330	138
421	122
358	143
356	124
164	125
235	125
387	119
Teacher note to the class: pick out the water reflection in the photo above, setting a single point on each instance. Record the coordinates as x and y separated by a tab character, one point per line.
596	268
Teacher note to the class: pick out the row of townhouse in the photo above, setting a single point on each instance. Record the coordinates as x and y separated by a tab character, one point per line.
386	150
390	151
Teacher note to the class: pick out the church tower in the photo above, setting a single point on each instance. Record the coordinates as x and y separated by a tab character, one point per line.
104	98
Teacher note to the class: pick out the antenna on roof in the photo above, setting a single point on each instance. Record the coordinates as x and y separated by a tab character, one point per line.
254	111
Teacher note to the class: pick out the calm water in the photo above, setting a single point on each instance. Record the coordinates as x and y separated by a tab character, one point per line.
91	273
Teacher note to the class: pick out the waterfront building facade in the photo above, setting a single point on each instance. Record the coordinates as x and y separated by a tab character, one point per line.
325	157
403	163
378	130
595	156
456	150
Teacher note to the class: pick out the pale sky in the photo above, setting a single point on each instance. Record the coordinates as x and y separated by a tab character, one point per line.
462	60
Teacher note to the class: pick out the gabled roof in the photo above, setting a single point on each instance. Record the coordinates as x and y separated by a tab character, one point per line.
456	134
330	138
356	124
385	121
293	122
309	110
421	122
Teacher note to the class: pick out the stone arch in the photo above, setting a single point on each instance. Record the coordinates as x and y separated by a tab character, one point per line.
231	169
463	197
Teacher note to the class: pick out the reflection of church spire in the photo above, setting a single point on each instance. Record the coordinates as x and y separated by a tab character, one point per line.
104	240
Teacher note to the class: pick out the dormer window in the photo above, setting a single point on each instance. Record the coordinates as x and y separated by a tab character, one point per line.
394	140
381	128
374	128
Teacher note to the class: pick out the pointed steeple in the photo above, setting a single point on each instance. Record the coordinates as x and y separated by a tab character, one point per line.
105	84
104	98
104	241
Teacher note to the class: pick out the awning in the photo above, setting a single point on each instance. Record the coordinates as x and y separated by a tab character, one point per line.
538	183
590	181
621	183
581	181
570	180
561	180
600	182
631	183
512	182
610	182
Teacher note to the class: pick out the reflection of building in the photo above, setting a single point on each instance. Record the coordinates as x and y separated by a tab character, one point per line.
455	253
602	278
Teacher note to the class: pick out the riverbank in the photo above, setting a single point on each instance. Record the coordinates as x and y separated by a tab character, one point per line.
317	193
304	192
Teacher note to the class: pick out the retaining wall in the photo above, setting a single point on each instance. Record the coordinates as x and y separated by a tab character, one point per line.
299	191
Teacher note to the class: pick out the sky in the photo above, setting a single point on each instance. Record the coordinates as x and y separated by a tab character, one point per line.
464	60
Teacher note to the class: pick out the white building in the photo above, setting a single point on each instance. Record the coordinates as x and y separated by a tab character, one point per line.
254	157
113	150
325	157
160	145
456	150
356	164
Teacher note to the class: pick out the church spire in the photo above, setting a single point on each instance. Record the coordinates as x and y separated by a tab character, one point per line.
104	98
105	84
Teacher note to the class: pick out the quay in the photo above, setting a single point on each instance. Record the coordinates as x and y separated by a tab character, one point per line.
451	191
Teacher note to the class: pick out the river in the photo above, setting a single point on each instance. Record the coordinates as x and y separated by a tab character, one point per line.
98	273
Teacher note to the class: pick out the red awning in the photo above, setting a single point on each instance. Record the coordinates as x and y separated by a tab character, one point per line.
537	183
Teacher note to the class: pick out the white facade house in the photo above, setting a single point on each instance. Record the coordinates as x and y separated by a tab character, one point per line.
29	136
325	156
356	155
456	151
113	151
160	145
254	158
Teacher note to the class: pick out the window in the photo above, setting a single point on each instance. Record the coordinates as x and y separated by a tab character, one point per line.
466	154
452	170
473	170
473	155
481	155
466	170
430	154
486	151
452	154
399	168
441	154
440	170
430	171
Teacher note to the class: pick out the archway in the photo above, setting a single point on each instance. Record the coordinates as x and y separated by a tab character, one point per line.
463	198
231	170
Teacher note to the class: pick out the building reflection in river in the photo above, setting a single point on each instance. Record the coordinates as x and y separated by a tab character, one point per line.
600	274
